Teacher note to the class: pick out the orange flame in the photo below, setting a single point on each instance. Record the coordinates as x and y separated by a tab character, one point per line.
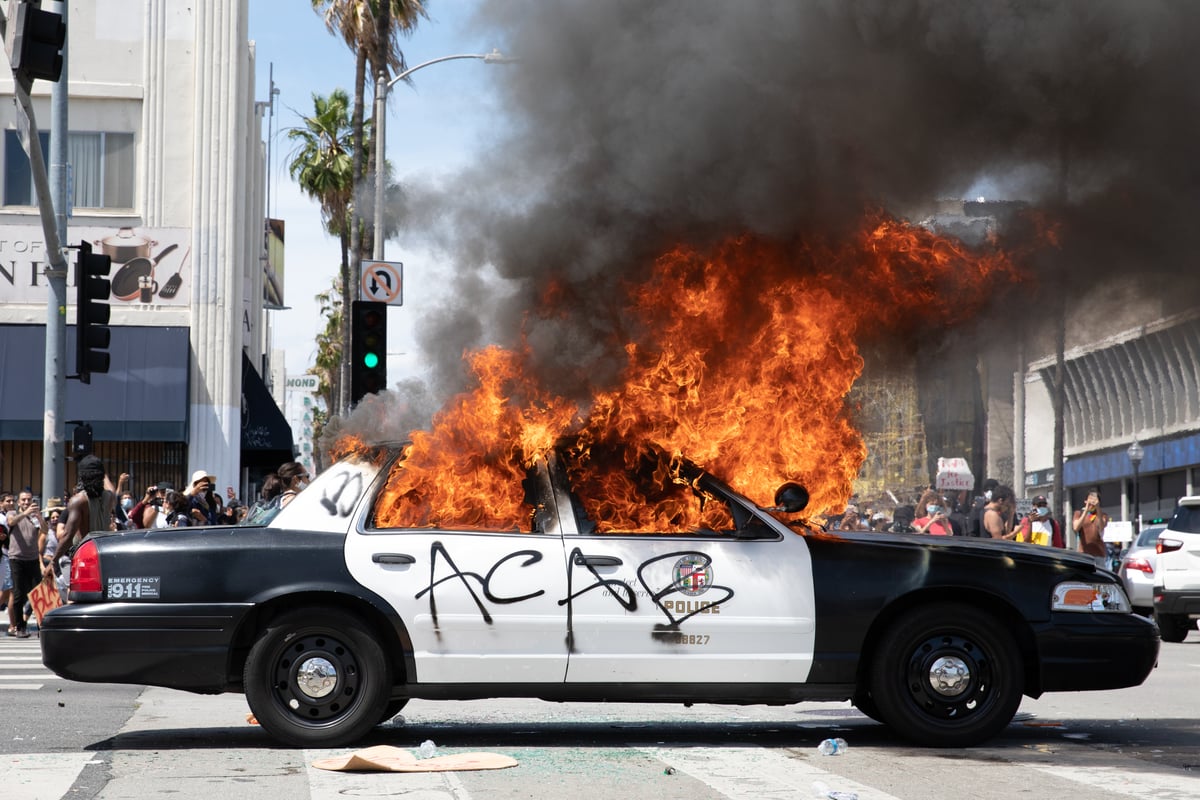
742	361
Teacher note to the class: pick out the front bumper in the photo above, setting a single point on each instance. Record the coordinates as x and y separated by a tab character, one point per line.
1081	652
1171	602
171	645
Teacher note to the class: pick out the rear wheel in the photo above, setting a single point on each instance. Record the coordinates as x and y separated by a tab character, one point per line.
947	676
317	678
1172	627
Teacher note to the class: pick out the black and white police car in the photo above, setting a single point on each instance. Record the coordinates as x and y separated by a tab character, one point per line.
329	623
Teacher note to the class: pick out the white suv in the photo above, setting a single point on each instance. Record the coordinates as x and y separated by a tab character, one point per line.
1177	575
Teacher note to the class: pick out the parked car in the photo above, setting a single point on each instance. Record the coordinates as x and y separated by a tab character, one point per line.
330	618
1137	569
1177	573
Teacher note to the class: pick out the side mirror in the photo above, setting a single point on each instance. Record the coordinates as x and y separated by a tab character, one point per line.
791	497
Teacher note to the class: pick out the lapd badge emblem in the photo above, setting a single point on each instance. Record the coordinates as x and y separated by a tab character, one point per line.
693	575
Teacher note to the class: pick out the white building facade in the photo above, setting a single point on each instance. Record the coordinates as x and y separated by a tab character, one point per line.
167	176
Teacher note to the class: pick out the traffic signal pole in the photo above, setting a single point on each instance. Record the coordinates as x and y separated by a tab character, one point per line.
38	45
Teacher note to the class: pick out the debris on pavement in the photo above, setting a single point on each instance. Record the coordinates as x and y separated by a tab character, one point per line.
385	758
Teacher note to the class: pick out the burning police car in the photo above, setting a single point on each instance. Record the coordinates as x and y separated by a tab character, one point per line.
334	614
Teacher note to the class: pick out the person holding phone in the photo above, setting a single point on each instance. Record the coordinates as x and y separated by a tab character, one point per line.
935	519
27	540
1089	523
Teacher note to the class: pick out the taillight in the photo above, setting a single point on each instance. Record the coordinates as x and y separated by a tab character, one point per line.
85	568
1167	545
1141	565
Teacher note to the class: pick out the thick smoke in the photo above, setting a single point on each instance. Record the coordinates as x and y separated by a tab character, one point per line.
636	125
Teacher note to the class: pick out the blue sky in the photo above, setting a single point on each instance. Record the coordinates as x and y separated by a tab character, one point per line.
434	127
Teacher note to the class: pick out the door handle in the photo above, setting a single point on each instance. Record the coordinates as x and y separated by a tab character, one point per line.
393	558
596	561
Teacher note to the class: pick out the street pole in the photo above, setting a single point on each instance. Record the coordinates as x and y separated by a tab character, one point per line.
1136	453
382	87
53	427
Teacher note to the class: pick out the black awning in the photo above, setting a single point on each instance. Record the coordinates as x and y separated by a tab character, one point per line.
266	435
142	398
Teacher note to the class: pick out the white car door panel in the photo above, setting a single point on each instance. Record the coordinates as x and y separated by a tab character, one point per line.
479	607
651	608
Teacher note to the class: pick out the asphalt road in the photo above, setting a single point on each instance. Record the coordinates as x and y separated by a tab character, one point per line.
65	740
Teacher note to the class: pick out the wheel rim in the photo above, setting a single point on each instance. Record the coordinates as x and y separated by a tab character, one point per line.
316	678
950	677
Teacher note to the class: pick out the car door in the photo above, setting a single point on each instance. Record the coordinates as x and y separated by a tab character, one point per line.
689	608
479	606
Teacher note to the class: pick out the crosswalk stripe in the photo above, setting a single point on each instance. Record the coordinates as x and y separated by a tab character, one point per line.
42	676
743	773
1149	783
40	776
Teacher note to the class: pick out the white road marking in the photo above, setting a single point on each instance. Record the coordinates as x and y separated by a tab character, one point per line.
1150	784
754	772
37	676
40	776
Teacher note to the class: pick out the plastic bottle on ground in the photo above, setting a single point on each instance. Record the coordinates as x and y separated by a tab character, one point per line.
821	789
832	747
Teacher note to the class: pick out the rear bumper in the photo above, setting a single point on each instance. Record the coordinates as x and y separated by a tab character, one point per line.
175	646
1080	652
1172	602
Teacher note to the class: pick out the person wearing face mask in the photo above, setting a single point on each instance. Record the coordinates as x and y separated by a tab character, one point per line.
295	478
935	520
1038	527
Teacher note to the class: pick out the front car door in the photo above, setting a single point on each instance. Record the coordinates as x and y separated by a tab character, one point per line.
704	607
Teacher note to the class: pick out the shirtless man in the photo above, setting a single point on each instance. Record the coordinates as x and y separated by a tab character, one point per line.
997	514
1089	523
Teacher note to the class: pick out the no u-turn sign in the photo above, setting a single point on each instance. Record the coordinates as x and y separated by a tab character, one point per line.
383	281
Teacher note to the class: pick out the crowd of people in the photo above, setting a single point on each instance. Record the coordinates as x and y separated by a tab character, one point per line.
991	515
32	538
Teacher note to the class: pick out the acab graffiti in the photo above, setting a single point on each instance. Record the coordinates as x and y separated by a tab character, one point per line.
583	577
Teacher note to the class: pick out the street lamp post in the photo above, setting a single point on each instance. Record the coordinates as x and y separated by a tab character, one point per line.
1136	454
382	87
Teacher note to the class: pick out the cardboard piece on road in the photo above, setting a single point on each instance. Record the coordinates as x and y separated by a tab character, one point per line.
385	758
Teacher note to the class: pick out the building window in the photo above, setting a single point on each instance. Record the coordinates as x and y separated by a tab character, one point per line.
102	168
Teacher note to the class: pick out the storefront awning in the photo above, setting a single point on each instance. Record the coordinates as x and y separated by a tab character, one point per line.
266	435
143	397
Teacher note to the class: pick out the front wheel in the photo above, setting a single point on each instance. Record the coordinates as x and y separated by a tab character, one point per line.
947	675
317	678
1172	627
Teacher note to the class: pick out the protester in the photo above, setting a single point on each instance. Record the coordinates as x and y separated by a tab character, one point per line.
1089	523
879	522
6	505
25	544
91	507
975	514
998	514
935	521
177	511
295	478
1038	527
202	506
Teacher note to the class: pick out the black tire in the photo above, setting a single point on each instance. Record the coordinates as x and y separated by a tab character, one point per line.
984	665
394	707
1172	627
866	704
334	714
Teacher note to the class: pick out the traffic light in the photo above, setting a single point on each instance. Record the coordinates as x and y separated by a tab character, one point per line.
368	348
34	40
81	441
92	335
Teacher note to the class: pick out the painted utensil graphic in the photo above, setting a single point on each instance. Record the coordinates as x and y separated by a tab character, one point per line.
171	287
125	284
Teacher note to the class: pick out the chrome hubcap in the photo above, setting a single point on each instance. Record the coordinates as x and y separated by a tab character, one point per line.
316	677
949	676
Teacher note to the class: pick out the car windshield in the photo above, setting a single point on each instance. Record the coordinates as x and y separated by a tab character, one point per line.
1186	519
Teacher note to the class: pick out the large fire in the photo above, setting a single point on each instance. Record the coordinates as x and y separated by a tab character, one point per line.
738	358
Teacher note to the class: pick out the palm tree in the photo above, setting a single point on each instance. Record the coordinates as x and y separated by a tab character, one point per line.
328	366
322	165
372	30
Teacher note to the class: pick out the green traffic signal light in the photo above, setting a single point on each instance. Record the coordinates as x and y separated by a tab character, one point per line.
371	360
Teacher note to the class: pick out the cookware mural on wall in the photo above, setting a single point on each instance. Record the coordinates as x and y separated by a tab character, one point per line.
150	266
